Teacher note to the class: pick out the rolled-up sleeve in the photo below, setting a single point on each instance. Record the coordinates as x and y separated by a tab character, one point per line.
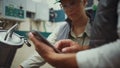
35	61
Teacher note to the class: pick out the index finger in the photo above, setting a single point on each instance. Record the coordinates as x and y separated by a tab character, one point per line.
62	44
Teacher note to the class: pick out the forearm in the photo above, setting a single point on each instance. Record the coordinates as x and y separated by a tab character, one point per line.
62	60
85	47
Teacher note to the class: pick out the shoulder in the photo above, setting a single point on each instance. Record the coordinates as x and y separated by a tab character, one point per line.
52	37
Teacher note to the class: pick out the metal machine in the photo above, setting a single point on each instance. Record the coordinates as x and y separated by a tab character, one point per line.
9	43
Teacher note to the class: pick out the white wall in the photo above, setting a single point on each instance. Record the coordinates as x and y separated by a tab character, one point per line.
30	5
42	11
52	4
96	2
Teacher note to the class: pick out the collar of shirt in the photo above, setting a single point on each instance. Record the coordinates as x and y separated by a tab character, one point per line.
87	31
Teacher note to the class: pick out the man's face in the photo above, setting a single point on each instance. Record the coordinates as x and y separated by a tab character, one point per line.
73	8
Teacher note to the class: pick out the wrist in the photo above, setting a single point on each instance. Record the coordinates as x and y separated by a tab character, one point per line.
86	47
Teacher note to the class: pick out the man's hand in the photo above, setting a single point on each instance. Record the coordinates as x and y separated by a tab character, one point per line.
43	49
69	46
58	60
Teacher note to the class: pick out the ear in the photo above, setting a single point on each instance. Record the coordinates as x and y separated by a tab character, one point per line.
84	2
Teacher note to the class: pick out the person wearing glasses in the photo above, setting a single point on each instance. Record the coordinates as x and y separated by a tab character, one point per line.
76	28
105	34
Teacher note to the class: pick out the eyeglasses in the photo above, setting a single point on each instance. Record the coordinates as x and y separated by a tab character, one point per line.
70	4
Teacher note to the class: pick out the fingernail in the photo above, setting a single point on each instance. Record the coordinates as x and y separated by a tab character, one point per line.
30	35
64	50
